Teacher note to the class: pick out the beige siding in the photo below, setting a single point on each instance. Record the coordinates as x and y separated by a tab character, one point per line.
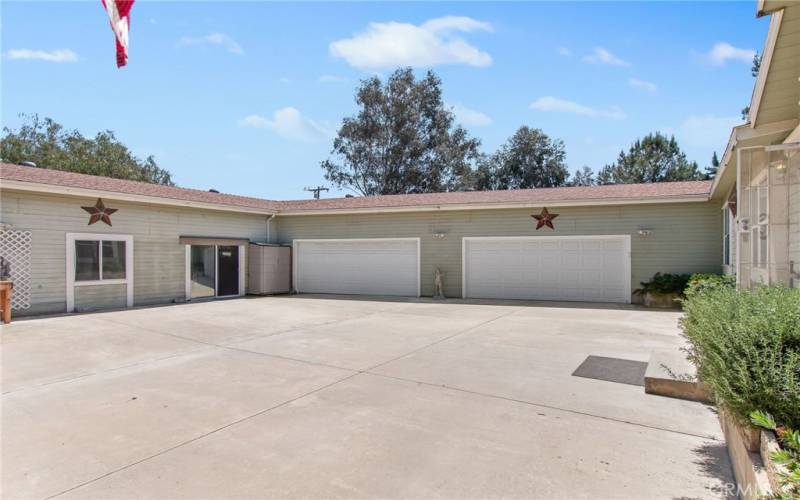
159	261
794	226
96	297
686	237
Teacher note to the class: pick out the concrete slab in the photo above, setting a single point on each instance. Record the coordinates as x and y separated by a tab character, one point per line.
37	352
482	403
363	342
62	434
530	359
380	438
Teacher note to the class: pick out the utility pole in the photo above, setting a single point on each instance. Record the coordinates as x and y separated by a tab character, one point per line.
316	190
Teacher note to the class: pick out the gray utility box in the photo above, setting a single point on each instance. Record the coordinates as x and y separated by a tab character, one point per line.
269	269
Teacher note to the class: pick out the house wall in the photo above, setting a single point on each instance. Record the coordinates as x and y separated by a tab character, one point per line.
686	237
159	260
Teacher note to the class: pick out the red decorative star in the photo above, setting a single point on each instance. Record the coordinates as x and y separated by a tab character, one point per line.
544	219
99	212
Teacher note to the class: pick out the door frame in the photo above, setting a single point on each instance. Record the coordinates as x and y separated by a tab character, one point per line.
188	270
296	254
625	238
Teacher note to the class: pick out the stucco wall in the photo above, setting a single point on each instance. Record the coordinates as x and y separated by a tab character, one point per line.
159	261
686	237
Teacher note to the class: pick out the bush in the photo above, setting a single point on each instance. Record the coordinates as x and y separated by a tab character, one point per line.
664	284
746	346
700	283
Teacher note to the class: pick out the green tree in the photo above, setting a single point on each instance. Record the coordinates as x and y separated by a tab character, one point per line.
711	170
402	140
755	68
48	144
654	158
529	159
583	177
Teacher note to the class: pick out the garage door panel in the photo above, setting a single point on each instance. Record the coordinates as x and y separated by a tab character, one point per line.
362	267
548	268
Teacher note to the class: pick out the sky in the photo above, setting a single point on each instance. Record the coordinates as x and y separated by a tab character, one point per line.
246	97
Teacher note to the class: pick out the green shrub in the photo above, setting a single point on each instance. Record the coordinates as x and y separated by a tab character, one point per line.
700	283
664	283
746	346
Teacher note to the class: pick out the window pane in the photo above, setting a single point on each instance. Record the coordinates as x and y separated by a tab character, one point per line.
203	269
113	260
87	260
762	243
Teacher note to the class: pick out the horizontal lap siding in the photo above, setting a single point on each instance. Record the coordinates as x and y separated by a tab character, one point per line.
96	297
159	261
687	237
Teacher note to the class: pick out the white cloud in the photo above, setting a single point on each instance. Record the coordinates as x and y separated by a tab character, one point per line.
649	87
391	44
288	123
602	56
471	117
705	131
217	39
331	79
563	51
58	55
723	52
556	105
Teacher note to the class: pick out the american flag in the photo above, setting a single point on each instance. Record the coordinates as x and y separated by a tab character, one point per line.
118	13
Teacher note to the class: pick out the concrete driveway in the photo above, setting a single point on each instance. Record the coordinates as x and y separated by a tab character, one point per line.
317	397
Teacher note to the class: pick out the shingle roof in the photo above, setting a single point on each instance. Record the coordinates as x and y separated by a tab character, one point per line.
654	192
83	181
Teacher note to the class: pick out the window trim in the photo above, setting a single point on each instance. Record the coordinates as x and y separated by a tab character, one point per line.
71	238
728	229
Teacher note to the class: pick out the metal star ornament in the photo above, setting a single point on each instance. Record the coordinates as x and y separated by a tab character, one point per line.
99	212
545	218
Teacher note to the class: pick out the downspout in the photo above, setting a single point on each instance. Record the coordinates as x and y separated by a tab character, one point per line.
269	220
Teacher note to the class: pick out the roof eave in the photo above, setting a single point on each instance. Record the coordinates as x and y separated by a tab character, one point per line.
693	198
38	187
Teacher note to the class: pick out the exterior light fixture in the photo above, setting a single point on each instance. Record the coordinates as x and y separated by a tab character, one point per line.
644	233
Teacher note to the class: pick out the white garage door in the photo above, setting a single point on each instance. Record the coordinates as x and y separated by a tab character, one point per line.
573	268
387	266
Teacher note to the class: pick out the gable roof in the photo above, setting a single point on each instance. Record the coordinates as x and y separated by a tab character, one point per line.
92	185
61	182
595	195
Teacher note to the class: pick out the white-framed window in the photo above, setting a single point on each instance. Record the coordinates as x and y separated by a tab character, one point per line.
98	259
759	230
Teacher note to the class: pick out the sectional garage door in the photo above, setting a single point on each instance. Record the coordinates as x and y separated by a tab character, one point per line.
571	268
388	266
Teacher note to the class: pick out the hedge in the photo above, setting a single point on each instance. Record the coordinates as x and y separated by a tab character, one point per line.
746	346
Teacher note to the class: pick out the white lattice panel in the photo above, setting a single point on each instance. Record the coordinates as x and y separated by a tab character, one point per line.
15	247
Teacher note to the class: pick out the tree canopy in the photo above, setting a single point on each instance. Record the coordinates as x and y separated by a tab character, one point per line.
654	158
48	144
583	177
529	159
402	140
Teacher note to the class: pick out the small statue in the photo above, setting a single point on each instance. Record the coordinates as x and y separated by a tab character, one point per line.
438	285
5	269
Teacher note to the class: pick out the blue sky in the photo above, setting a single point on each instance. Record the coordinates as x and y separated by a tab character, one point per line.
245	97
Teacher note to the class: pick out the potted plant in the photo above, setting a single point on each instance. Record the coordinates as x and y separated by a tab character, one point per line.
662	290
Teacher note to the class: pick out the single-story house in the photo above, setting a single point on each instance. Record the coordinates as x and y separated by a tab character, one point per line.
758	183
169	244
78	242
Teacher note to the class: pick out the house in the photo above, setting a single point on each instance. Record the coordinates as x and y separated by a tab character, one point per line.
168	244
758	183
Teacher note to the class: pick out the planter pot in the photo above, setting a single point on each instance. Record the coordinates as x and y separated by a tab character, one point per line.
660	300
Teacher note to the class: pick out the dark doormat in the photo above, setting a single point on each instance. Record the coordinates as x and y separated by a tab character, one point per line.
622	371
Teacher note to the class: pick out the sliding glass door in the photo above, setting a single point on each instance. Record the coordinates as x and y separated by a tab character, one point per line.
203	267
213	271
